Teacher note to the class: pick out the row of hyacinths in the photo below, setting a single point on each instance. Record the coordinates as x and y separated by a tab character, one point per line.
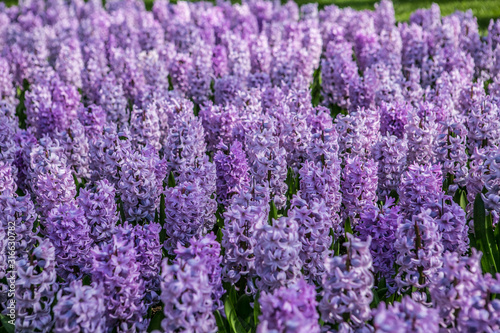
153	162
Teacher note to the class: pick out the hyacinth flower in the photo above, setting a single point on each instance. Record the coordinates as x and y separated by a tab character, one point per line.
420	185
145	127
147	245
451	154
19	212
248	211
491	177
314	222
112	99
221	124
36	288
338	71
93	119
419	246
80	308
422	131
8	129
358	132
381	224
76	146
291	309
232	172
347	285
52	181
277	253
185	143
140	184
115	267
188	212
186	294
390	154
69	232
97	201
406	316
108	151
452	224
209	251
359	186
267	160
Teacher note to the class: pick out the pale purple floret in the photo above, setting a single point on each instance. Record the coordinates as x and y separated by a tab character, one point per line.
347	285
186	294
419	246
209	251
68	230
36	288
98	203
80	308
232	172
291	309
115	267
277	253
406	316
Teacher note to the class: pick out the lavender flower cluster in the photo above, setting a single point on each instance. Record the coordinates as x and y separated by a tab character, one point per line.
256	167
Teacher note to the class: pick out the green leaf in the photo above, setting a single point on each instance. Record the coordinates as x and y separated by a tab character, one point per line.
484	237
256	309
155	323
222	323
9	328
347	226
230	310
273	212
171	180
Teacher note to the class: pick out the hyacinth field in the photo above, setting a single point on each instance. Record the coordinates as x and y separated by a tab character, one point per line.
247	168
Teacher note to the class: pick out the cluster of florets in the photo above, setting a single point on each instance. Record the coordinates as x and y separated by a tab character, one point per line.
262	166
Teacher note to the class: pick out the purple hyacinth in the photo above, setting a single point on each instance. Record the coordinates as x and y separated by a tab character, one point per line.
107	153
93	119
221	123
68	230
98	203
209	251
115	267
381	224
248	211
347	285
338	70
291	309
112	99
491	177
314	221
188	212
76	146
147	244
145	127
140	184
185	143
359	186
454	290
267	160
390	154
36	288
406	316
419	247
186	294
451	153
80	308
452	224
277	254
232	172
179	69
200	75
422	130
420	185
52	181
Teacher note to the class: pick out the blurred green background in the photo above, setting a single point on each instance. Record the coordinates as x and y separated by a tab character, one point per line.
484	10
